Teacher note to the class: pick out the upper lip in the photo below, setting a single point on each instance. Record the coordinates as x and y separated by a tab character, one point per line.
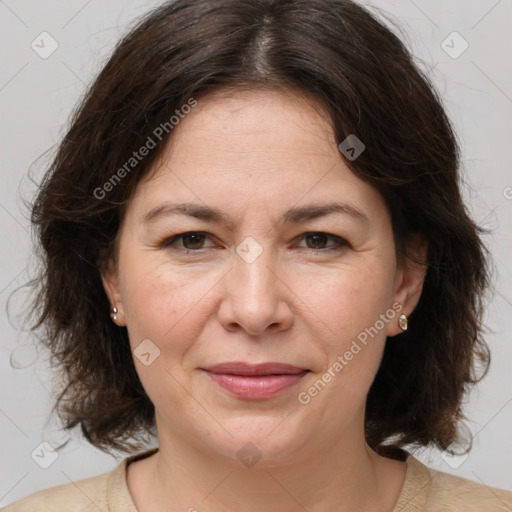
241	368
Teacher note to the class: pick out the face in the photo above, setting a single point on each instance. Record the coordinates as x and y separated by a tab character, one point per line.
272	280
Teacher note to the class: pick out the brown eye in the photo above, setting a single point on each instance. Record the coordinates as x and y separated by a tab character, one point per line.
318	240
190	241
193	240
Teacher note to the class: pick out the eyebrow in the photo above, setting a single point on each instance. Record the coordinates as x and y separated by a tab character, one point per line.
292	216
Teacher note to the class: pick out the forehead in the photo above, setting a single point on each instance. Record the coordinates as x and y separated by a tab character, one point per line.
228	128
253	148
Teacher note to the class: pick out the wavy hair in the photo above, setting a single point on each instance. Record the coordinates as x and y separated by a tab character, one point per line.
361	73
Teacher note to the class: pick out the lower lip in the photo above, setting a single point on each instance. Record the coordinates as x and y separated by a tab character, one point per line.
256	387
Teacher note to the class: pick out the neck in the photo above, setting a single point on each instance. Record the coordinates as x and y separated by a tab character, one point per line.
344	477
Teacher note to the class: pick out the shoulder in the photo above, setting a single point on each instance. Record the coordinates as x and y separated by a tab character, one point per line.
105	493
81	496
462	494
428	490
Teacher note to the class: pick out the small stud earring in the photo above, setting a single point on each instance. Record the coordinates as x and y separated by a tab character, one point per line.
113	314
402	322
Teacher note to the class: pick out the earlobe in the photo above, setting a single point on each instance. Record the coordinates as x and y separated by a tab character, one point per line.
409	282
110	280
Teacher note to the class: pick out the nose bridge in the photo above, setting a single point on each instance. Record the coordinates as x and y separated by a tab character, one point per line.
253	268
253	290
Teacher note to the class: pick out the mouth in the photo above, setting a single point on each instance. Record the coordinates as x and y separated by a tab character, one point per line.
255	382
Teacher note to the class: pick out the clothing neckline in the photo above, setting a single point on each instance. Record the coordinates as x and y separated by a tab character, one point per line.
412	496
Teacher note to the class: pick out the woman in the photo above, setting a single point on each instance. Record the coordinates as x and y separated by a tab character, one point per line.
255	248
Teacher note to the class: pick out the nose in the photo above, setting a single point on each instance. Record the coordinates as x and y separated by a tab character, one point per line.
256	297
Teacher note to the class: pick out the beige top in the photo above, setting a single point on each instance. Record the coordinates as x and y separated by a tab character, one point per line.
424	489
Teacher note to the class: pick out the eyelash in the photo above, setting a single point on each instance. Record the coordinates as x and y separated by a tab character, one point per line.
170	243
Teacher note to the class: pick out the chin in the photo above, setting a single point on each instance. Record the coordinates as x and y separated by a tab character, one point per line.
258	441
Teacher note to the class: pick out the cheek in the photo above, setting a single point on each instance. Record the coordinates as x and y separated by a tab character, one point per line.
351	306
347	301
161	301
169	308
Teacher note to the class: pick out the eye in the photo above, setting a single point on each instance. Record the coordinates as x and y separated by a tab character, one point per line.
317	239
191	241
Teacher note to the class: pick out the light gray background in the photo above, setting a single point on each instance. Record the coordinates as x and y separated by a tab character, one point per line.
36	98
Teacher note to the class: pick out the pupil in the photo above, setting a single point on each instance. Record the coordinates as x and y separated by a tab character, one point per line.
316	238
192	236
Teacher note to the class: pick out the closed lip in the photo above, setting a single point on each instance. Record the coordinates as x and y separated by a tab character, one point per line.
241	368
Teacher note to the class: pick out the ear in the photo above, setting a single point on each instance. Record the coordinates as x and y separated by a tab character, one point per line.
110	279
409	280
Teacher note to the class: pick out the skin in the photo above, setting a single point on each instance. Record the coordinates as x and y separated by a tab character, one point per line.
254	155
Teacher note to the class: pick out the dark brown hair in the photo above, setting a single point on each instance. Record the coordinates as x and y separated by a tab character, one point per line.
361	73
